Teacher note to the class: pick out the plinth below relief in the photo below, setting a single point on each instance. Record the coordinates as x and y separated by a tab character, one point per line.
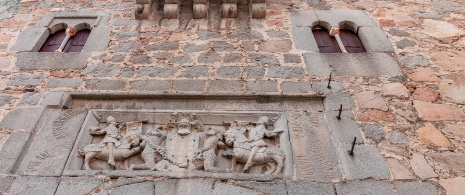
188	143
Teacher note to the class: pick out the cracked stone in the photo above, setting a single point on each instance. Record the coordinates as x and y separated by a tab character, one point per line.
421	167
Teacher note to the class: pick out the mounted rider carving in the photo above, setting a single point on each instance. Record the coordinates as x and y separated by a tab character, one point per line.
256	136
111	140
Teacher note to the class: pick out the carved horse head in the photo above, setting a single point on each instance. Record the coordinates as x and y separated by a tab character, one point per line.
232	136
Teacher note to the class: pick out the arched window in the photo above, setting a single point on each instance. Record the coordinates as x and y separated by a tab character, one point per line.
75	43
53	41
326	43
351	41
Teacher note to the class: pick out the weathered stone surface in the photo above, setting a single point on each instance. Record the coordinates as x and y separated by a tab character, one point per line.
5	182
189	85
412	61
292	58
453	93
76	185
373	132
322	87
226	189
426	75
430	135
262	59
163	46
222	46
438	112
449	60
441	29
366	162
34	185
395	90
255	72
190	48
153	71
233	57
5	99
127	72
195	72
304	39
456	129
30	98
345	129
273	46
425	94
151	85
141	59
125	35
308	187
395	137
413	188
450	160
333	101
370	99
306	18
398	170
421	167
453	186
184	59
11	150
68	83
364	187
126	47
21	119
285	72
277	34
105	84
53	99
267	188
232	72
209	57
227	85
376	116
374	39
51	60
137	188
195	186
259	86
296	87
404	43
26	80
166	186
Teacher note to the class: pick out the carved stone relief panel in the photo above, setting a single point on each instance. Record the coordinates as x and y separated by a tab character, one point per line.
170	143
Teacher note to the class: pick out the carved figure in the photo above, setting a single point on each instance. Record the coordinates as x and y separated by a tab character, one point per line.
111	139
256	136
128	147
205	157
272	157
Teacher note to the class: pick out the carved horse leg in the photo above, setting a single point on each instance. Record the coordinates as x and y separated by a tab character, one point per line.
233	164
280	160
88	156
272	167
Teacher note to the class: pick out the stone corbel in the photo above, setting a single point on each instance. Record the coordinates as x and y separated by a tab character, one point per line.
200	9
143	9
257	9
229	8
171	9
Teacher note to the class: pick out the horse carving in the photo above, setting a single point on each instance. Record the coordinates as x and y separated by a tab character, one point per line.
270	156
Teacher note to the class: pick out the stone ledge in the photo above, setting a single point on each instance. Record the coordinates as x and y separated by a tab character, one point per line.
51	60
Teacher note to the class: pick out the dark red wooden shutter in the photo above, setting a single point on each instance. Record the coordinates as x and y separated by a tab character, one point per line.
351	41
53	41
77	42
326	43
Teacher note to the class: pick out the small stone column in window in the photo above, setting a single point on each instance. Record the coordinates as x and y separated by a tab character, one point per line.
335	32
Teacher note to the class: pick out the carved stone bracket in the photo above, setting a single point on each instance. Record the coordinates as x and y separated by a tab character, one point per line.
171	8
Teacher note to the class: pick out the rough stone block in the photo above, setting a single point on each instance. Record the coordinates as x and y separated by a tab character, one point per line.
337	18
232	72
51	60
34	185
209	58
191	48
398	170
438	112
255	72
366	162
11	150
105	84
153	71
304	18
413	188
345	129
421	167
322	87
259	86
373	132
30	98
65	83
184	59
5	99
365	187
128	47
233	57
354	64
53	99
308	187
292	58
262	59
189	85
304	39
226	189
5	182
273	46
194	186
333	101
101	70
222	46
195	72
166	186
374	40
98	39
151	85
296	87
227	85
75	185
267	188
52	144
22	119
137	188
26	80
285	72
31	39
